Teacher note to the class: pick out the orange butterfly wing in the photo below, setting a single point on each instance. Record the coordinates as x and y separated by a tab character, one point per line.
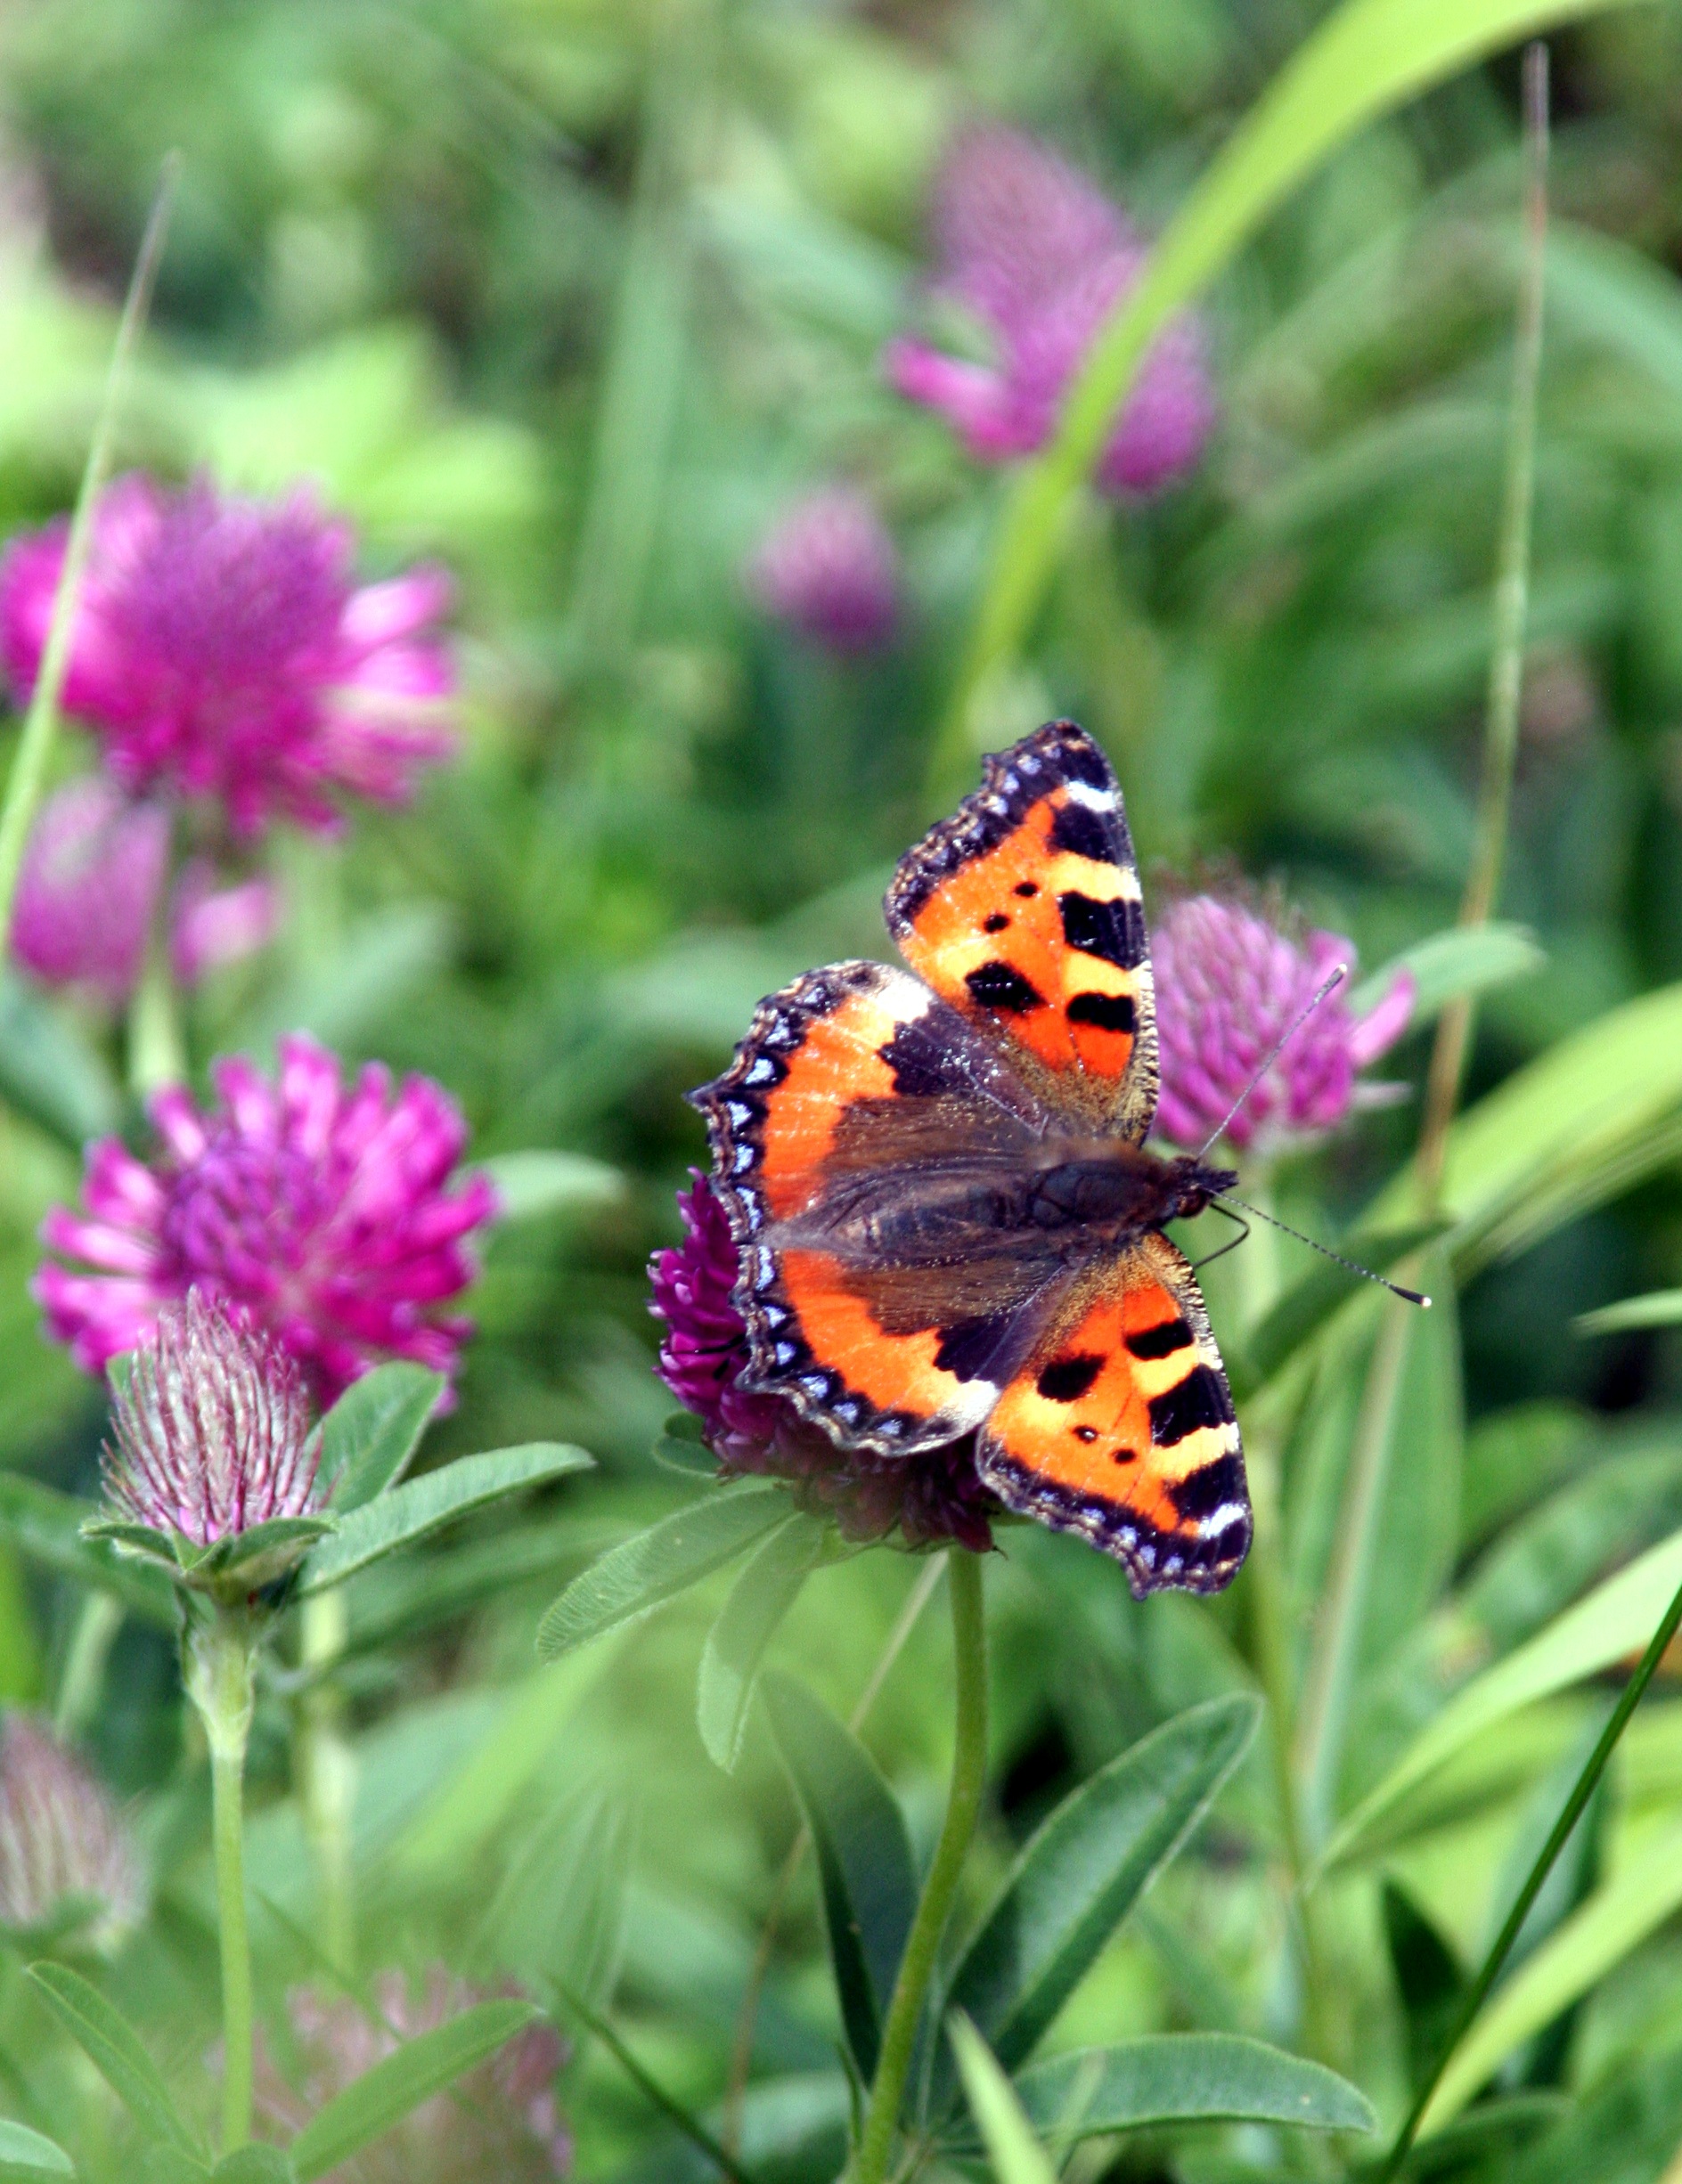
1121	1428
1024	911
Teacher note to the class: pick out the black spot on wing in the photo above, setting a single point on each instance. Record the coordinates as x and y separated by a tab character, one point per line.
1110	1011
969	1349
994	922
1026	887
1066	1379
1114	930
1210	1486
1199	1401
1161	1340
924	1064
996	985
1082	832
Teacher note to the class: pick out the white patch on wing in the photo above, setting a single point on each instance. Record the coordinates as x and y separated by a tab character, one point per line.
1094	799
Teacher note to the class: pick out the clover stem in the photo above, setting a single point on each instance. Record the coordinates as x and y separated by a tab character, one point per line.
963	1805
327	1773
220	1676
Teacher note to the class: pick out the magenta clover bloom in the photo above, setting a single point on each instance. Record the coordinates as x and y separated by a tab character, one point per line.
933	1497
1026	247
210	1430
212	926
221	650
66	1853
93	870
828	568
1228	982
324	1211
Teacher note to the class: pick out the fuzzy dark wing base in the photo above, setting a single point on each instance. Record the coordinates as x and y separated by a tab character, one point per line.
859	1115
1024	911
1122	1429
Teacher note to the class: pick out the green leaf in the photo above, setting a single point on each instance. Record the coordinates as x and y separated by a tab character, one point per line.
1660	1307
393	2088
25	2153
644	1572
50	1074
50	1527
373	1430
762	1595
1078	1877
530	1185
410	1513
864	1858
1446	967
1016	2155
1579	1953
1186	2078
114	2047
256	2165
1615	1620
1364	60
253	1558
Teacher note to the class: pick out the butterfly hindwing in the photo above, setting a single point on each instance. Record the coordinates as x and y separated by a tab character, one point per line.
1024	910
849	1135
1121	1428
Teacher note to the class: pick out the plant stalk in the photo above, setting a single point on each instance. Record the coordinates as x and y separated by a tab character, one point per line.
1331	1668
220	1677
1506	656
1571	1813
40	722
98	1620
963	1805
327	1773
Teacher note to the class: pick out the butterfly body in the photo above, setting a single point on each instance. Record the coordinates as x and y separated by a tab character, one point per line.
948	1218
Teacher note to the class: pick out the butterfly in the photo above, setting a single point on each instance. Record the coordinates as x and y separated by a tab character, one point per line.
938	1183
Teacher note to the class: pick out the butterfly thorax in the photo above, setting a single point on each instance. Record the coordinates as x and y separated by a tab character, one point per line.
1116	1187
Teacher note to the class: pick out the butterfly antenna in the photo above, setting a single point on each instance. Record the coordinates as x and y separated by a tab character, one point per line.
1408	1296
1335	978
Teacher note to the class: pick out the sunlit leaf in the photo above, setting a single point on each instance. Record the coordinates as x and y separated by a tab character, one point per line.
25	2153
1660	1307
373	1430
1183	2078
765	1590
1016	2155
1081	1871
405	1514
530	1185
655	1566
115	2049
1445	967
864	1858
397	2085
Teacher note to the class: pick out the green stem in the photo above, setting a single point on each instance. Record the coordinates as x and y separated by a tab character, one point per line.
1571	1813
98	1621
40	722
1506	656
221	1660
963	1805
326	1767
156	1057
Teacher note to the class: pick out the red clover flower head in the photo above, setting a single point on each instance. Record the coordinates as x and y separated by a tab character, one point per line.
66	1853
222	651
325	1212
210	1431
1029	249
92	871
499	2122
932	1497
1229	981
828	568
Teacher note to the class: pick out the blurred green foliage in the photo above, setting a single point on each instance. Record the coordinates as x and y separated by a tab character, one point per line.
577	298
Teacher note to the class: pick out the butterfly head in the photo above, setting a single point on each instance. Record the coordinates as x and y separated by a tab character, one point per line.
1189	1183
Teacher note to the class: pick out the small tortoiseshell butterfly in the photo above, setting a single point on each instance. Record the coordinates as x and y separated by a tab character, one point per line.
938	1185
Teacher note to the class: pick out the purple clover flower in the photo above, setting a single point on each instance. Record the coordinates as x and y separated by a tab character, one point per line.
212	926
325	1212
932	1497
1029	249
1229	981
64	1846
93	868
499	2122
210	1430
222	651
828	568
